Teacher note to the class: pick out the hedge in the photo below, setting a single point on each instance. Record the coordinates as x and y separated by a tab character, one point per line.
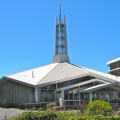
50	115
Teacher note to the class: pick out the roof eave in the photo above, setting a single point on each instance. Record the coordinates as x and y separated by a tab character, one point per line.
4	78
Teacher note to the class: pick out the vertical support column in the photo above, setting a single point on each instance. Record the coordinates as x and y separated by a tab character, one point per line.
55	91
90	96
73	97
84	96
62	99
36	95
39	94
79	98
62	96
56	85
55	95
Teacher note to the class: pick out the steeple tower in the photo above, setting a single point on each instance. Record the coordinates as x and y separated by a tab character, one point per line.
61	50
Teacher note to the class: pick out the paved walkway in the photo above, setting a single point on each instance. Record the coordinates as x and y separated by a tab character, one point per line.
9	112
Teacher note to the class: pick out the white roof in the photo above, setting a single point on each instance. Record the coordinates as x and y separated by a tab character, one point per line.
57	72
112	61
63	71
49	73
33	76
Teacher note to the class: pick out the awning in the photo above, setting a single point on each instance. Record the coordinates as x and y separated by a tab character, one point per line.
79	84
97	87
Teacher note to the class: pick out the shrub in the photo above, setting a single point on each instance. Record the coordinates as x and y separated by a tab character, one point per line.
49	115
99	107
36	115
66	116
50	105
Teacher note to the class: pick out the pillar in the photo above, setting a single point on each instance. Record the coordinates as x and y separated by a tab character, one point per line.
37	95
62	99
55	95
90	96
79	98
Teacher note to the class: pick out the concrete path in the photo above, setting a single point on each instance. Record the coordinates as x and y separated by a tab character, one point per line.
9	112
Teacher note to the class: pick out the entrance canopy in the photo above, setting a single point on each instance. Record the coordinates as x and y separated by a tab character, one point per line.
79	84
97	87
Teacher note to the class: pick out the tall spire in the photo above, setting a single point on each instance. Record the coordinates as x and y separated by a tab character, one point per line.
61	50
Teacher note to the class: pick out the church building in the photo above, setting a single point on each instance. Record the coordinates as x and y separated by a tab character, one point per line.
60	80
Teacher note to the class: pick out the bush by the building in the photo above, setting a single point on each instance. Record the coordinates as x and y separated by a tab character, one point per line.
99	107
50	115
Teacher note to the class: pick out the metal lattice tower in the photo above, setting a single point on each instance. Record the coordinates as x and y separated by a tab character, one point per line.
61	50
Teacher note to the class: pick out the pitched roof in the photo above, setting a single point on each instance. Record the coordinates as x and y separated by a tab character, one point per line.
33	76
50	73
57	72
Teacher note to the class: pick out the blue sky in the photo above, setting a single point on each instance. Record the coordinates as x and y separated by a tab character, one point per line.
27	33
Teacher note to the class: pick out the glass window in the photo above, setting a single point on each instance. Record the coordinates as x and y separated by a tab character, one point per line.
62	84
58	92
46	99
118	94
75	89
54	86
91	77
48	89
75	81
85	78
87	85
66	95
70	96
82	79
111	95
76	97
45	87
32	90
